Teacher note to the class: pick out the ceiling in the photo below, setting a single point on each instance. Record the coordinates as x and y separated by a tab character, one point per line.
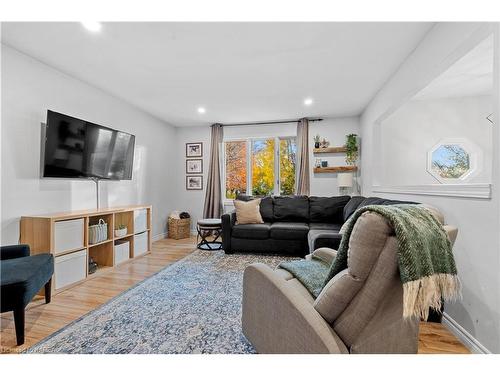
471	75
237	71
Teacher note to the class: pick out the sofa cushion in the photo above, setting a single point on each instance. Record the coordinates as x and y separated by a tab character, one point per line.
266	209
252	231
358	202
325	226
327	209
291	209
248	212
352	206
266	206
289	231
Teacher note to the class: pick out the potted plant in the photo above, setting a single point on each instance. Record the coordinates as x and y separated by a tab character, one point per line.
121	230
316	141
351	145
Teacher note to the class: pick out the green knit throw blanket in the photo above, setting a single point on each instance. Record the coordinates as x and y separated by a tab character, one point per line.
426	264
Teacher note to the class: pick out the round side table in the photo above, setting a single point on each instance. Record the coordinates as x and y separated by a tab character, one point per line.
206	228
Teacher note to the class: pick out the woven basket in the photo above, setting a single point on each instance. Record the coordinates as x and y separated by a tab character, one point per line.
179	228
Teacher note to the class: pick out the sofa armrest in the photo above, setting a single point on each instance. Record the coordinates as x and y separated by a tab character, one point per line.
318	238
14	251
228	221
277	318
326	254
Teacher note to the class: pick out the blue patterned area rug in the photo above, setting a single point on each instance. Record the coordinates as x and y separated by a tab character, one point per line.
191	306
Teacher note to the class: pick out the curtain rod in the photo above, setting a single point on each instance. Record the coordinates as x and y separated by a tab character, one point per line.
270	122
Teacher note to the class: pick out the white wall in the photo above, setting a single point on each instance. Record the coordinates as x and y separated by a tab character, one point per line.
419	125
333	130
191	201
29	88
477	250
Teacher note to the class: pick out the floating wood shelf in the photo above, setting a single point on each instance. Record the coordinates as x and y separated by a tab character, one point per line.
347	168
330	150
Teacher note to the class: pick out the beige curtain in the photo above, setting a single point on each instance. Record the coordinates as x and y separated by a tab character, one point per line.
302	167
213	198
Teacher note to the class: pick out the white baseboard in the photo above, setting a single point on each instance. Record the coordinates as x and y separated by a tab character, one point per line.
465	337
160	236
163	235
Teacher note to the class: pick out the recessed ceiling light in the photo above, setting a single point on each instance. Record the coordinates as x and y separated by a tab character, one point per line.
92	26
201	110
308	101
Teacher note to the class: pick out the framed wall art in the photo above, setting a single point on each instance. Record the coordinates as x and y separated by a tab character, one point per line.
194	150
194	166
194	182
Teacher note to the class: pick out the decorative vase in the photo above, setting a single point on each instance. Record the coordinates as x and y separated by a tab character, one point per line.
120	232
316	144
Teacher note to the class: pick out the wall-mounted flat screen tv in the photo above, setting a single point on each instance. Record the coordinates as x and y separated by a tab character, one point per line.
76	148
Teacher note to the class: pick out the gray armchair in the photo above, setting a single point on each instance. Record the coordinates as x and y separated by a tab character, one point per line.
359	311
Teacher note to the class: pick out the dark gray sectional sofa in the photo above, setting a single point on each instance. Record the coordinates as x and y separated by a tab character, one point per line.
293	225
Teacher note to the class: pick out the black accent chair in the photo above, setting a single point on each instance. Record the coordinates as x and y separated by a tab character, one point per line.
22	276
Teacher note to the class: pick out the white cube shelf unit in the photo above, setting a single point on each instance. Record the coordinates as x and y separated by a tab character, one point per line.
66	236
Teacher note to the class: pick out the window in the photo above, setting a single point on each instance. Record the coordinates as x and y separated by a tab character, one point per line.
260	167
452	160
236	168
288	151
263	167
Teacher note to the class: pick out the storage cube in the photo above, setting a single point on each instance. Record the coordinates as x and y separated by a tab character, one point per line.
140	243
70	268
68	235
122	251
140	220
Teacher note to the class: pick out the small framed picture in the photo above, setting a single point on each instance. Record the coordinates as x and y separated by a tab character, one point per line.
194	150
194	166
194	182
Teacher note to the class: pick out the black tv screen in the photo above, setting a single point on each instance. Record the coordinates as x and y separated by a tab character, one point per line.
77	148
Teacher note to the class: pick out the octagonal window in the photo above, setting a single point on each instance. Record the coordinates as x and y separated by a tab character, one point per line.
452	160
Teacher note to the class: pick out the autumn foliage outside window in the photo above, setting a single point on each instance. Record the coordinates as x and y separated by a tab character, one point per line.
263	165
288	152
236	168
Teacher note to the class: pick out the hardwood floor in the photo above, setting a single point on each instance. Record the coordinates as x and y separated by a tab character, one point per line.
44	319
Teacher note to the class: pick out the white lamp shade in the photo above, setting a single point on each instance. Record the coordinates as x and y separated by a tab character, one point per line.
344	180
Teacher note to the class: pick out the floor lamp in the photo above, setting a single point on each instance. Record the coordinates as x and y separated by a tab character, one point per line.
344	182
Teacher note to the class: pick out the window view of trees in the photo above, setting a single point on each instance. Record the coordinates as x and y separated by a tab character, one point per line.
236	168
263	167
263	175
288	150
